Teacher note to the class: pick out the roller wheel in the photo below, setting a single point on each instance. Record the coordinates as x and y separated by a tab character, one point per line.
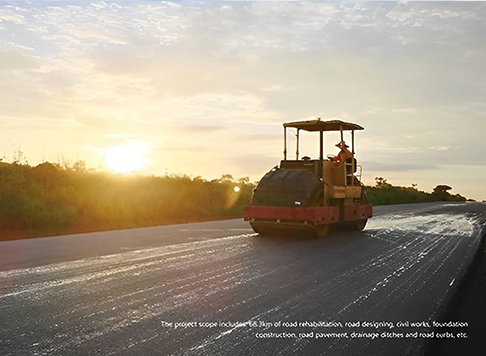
261	230
322	230
360	225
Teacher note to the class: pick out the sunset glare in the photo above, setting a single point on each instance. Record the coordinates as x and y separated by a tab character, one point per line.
125	159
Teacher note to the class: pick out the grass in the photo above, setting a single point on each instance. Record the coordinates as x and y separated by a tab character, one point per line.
50	199
383	193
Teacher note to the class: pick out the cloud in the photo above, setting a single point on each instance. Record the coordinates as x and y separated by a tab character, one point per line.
250	164
9	13
272	88
229	73
440	148
198	128
259	137
16	60
397	168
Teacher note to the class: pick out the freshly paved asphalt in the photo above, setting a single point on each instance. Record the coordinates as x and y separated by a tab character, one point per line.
218	289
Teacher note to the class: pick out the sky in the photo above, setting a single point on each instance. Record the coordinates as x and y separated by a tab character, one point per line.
203	88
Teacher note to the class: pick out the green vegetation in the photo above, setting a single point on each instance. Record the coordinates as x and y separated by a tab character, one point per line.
383	193
49	199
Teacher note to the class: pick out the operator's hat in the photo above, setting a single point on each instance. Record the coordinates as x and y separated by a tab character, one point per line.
340	144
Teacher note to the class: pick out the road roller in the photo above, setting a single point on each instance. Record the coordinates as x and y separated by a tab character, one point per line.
308	195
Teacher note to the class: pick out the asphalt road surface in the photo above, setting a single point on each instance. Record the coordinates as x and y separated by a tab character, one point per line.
217	288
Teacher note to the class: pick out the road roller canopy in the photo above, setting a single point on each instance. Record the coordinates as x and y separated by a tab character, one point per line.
318	125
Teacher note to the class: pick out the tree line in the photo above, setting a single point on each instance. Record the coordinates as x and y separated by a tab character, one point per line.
53	199
50	199
384	193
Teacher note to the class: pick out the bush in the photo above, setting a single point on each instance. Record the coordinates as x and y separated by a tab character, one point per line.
385	194
48	199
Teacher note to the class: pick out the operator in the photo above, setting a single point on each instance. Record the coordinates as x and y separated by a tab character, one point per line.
344	154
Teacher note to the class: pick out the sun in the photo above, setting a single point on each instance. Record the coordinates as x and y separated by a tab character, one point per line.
125	159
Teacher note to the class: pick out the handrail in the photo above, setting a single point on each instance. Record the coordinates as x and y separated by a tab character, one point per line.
359	172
